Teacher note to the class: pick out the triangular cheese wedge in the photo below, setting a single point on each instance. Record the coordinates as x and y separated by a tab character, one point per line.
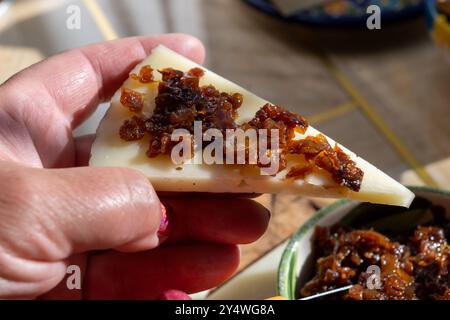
110	150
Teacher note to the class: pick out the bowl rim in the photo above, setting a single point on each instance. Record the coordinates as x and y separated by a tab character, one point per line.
287	270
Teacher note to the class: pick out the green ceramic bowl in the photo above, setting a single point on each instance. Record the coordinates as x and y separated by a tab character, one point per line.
297	265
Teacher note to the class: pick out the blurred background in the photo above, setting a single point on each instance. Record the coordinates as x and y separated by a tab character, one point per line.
384	93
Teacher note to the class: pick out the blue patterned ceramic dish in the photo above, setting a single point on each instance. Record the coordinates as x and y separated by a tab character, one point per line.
346	12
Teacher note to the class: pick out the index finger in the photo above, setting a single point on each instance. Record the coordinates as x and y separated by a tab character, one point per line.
78	80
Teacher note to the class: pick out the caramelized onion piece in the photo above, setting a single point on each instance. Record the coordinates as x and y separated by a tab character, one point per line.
318	151
279	115
132	129
132	100
145	75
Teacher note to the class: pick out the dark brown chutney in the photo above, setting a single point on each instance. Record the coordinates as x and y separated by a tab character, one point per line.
181	101
416	266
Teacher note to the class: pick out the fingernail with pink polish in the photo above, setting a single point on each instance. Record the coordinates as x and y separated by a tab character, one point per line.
164	224
174	295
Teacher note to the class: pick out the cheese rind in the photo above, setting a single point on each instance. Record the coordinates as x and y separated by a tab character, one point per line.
109	150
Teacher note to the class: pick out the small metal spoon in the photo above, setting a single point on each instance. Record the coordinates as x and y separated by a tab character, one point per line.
327	293
317	295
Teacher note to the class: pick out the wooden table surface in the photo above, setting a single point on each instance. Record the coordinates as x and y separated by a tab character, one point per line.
385	94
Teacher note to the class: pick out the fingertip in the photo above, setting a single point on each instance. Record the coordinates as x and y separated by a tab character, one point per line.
234	257
219	262
252	220
185	44
150	240
192	47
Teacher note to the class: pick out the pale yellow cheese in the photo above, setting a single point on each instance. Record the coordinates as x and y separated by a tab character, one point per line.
110	150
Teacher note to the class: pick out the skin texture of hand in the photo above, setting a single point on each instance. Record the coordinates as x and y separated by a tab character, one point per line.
55	211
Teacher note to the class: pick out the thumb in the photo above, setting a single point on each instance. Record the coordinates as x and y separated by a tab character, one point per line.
80	209
101	208
111	208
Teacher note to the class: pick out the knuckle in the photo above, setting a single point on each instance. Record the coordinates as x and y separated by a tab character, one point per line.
25	221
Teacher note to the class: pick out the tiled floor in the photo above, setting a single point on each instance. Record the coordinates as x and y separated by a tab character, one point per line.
385	94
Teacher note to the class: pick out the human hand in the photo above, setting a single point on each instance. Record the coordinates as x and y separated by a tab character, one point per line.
55	212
